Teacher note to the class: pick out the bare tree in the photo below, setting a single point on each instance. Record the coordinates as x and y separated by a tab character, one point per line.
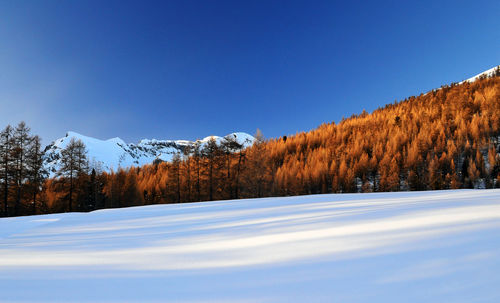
188	150
197	156
6	166
73	164
21	140
175	171
36	172
230	145
211	152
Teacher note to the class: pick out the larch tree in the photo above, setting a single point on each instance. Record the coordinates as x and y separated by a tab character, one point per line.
211	152
6	165
21	139
434	174
73	164
197	161
239	167
130	189
36	171
175	176
473	173
453	177
258	172
230	146
187	152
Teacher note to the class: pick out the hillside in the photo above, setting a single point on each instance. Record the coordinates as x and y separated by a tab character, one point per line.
436	246
448	138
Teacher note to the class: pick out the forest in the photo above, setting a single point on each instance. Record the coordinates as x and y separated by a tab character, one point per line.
448	138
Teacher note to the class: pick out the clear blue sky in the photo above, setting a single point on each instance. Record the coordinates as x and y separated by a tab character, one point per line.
188	69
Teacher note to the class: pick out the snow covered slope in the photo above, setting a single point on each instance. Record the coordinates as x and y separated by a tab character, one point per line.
114	153
436	246
487	73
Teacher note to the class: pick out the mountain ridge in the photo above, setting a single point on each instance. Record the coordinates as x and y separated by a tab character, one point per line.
114	153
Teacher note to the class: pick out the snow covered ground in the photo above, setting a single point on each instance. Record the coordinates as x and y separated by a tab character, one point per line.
437	246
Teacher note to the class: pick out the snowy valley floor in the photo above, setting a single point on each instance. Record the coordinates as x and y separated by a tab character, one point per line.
436	246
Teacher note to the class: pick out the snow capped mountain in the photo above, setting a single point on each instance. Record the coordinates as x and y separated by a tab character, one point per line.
488	73
114	153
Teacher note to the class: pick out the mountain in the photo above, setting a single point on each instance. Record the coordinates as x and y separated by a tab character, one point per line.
113	153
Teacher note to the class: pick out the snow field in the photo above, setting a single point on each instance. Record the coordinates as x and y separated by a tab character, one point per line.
436	246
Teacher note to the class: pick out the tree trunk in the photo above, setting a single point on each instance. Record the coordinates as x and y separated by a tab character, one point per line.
189	179
70	192
237	185
34	201
6	194
210	177
178	183
228	182
198	178
19	184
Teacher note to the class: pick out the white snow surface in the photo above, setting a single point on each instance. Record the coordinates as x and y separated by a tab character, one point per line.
436	246
111	154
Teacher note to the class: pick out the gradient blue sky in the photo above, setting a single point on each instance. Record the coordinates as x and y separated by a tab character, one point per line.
188	69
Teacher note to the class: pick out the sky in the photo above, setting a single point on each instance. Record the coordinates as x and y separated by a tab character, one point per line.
189	69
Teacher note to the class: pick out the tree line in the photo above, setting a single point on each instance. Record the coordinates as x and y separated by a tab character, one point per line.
202	172
446	139
24	178
21	170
